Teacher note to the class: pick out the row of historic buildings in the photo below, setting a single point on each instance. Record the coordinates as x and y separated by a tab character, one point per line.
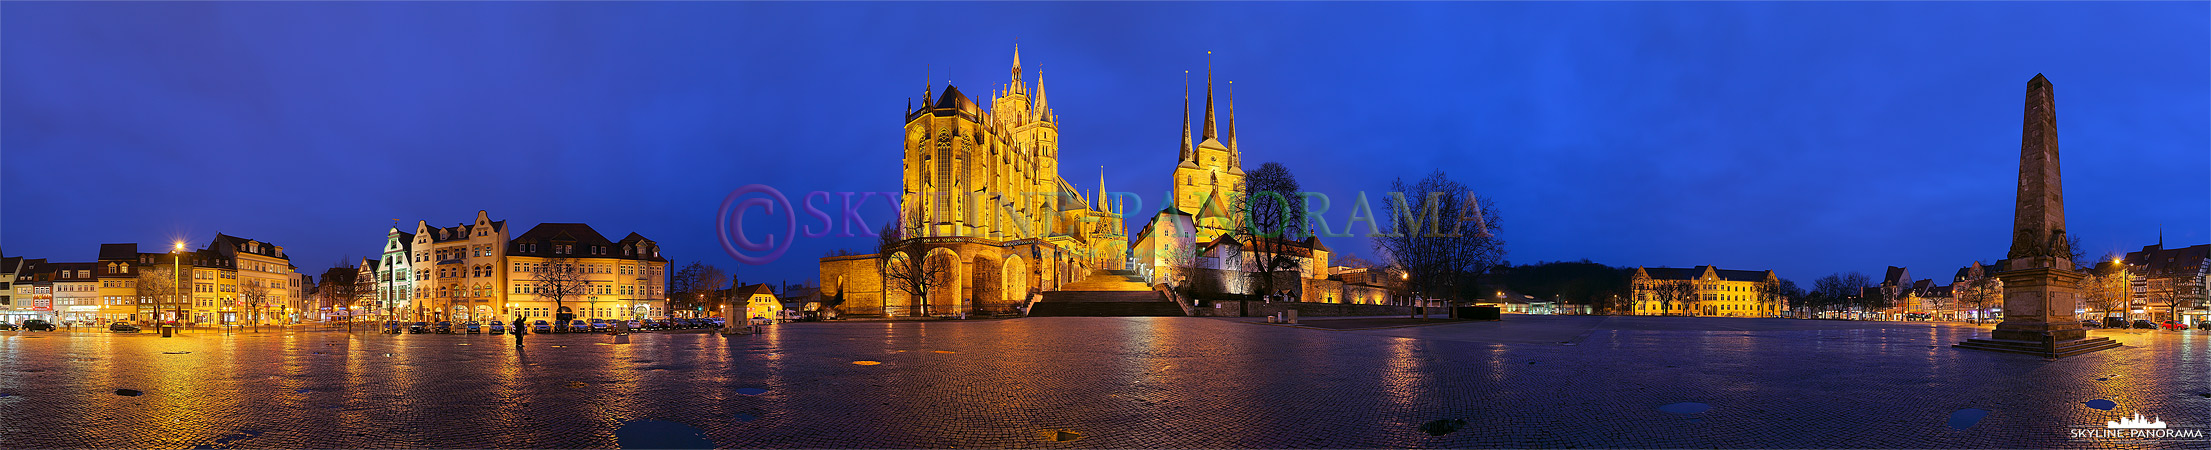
2155	283
476	271
229	280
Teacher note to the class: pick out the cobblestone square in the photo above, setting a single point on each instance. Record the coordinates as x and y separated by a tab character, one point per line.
1528	381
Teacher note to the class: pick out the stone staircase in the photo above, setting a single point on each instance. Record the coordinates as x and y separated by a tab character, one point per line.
1114	293
2059	349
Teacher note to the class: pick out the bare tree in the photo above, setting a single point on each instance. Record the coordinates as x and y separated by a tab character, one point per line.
1779	293
913	275
1670	293
2109	286
1842	287
1272	217
698	285
558	279
157	285
1441	235
1978	290
256	297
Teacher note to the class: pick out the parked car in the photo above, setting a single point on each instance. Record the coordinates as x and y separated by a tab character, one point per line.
601	325
472	327
541	327
2204	325
394	327
578	326
2144	325
121	327
37	325
636	324
2090	324
498	327
442	327
2115	322
2173	325
418	328
8	326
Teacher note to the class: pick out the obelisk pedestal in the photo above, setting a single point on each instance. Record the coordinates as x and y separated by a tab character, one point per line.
2040	285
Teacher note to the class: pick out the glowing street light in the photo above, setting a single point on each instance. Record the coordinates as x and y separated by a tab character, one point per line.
177	256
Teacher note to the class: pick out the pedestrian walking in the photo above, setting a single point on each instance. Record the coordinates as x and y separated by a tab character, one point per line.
519	331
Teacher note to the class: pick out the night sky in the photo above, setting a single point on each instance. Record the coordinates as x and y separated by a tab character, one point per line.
1808	138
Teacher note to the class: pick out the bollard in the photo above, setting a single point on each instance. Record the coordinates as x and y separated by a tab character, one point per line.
1291	315
166	330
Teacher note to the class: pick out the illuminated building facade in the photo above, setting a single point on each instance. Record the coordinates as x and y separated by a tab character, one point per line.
476	272
1708	291
982	196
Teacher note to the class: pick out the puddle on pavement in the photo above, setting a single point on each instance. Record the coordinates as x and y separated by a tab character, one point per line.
867	363
1441	427
1061	435
229	440
177	353
2101	404
744	417
938	351
131	392
1685	408
571	384
1965	418
743	391
659	434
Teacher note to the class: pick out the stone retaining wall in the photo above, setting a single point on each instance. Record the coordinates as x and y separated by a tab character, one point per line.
1261	309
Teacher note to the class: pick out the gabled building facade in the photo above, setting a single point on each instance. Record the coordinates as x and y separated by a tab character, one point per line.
476	271
1703	291
2170	284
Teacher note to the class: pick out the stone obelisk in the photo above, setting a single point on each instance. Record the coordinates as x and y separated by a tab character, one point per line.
2040	286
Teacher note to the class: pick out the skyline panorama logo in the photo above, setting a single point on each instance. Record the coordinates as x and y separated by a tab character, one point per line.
2138	428
1426	215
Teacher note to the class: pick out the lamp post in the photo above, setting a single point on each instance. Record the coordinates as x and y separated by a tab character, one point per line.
177	253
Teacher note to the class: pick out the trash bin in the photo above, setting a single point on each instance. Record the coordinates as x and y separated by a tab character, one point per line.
166	330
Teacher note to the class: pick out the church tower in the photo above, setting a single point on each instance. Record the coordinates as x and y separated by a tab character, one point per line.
1210	176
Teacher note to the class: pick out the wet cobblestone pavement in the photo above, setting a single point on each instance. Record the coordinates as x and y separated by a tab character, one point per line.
1101	382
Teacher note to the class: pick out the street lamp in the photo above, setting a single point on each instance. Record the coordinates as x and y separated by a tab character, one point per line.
177	253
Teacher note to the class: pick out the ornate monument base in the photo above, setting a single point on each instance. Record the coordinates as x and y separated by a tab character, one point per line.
2038	316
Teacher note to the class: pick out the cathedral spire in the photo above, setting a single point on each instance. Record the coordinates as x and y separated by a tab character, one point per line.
928	85
1017	87
1101	191
1209	128
1043	110
1186	153
1235	157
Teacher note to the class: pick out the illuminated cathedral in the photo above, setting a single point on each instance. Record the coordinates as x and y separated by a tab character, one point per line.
982	193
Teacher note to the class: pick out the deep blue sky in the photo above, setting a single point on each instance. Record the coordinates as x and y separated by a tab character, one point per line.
1808	138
